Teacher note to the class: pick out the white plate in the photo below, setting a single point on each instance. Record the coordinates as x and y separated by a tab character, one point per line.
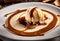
48	35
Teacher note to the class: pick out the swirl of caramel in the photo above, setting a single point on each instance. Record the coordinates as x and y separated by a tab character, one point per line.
31	22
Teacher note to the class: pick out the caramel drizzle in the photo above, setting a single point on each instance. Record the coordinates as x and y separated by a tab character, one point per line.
37	33
58	15
6	14
31	12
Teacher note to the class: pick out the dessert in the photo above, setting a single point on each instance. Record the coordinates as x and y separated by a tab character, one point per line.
31	22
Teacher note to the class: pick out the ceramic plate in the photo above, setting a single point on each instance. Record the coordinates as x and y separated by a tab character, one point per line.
48	35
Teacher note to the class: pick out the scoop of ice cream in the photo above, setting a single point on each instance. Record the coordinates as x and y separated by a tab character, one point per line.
34	15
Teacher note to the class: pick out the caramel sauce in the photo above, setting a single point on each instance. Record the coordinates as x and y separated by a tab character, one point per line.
6	15
31	27
45	16
31	12
58	15
22	21
43	23
4	25
36	33
12	12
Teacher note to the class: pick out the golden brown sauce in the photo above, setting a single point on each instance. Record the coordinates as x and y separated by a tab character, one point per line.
58	15
6	15
36	33
31	12
22	21
3	25
45	16
43	23
13	12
